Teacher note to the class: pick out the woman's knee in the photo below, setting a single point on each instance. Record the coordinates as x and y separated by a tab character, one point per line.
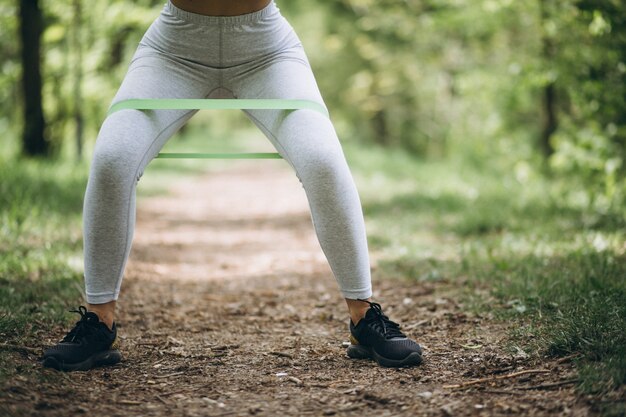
116	154
323	164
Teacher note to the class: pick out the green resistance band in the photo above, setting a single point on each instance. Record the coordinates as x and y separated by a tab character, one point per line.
217	104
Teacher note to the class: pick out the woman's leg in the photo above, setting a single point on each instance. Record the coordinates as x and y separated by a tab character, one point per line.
307	140
127	142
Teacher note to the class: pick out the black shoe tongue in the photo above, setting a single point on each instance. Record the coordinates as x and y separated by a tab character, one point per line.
91	316
371	314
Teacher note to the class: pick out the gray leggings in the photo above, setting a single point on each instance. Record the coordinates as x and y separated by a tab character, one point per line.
186	55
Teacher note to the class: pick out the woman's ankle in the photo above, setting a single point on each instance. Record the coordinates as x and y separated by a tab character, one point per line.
105	312
357	309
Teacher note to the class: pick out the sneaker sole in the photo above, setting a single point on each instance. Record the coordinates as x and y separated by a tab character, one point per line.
110	357
364	352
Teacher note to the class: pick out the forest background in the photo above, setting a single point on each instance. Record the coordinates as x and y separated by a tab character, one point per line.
498	125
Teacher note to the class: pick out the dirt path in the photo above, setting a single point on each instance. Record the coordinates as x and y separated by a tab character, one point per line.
229	308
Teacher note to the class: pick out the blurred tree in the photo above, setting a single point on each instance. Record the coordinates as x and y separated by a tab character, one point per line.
78	76
589	68
31	28
549	94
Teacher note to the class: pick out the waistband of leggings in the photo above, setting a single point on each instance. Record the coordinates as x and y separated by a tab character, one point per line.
202	19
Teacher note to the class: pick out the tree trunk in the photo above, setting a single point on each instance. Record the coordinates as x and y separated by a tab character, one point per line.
78	77
550	121
31	28
549	96
379	124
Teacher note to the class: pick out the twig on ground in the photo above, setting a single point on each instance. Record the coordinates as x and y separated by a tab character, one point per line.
8	346
169	375
282	354
148	343
173	393
551	384
296	380
494	378
501	391
350	408
318	385
128	402
339	382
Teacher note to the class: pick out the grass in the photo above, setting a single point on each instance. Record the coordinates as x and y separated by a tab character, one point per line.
40	244
554	269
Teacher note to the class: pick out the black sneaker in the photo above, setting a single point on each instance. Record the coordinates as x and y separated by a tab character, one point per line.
89	344
376	337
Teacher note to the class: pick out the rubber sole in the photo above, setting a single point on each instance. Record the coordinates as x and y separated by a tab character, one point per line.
364	352
107	358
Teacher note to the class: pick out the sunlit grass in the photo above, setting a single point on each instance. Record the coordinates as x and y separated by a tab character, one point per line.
40	242
542	260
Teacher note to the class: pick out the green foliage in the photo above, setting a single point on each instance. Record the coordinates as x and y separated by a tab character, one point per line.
9	69
589	69
107	33
445	77
469	78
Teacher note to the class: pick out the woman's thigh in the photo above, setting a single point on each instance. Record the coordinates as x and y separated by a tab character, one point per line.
131	138
301	136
